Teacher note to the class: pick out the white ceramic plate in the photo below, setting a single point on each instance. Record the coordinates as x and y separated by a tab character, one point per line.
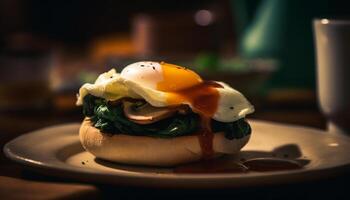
57	151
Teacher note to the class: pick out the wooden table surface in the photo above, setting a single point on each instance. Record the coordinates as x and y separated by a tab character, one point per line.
16	182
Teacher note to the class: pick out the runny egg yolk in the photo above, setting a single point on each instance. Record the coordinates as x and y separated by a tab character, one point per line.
183	85
176	78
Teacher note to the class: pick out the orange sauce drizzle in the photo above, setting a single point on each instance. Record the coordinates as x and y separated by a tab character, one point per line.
184	85
204	98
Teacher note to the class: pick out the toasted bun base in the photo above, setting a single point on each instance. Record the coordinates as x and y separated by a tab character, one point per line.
143	150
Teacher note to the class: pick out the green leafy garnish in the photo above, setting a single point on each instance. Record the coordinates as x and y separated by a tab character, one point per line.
110	118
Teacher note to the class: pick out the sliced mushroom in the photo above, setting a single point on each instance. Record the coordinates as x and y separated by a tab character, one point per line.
119	101
145	113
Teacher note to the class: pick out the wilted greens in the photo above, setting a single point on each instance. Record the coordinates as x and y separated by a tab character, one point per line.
110	118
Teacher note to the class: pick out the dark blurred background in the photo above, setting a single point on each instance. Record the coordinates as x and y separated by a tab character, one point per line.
264	48
48	49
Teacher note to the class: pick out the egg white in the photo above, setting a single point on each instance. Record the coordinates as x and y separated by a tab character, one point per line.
232	105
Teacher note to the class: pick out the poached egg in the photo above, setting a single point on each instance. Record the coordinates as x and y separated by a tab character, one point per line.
162	84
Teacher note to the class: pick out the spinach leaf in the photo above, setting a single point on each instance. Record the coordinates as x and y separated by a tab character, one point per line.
111	119
233	130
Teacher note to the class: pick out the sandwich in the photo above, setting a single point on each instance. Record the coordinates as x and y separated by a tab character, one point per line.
161	114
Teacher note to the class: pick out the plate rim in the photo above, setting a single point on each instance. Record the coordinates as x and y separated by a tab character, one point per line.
74	172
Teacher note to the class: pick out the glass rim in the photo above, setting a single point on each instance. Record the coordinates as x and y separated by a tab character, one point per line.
330	20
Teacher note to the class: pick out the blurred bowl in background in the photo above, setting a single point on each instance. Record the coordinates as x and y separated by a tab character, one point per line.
25	64
24	82
247	76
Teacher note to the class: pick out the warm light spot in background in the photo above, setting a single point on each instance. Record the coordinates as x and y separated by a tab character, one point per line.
324	21
203	17
333	144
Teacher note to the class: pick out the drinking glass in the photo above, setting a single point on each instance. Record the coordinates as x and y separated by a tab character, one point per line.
332	42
